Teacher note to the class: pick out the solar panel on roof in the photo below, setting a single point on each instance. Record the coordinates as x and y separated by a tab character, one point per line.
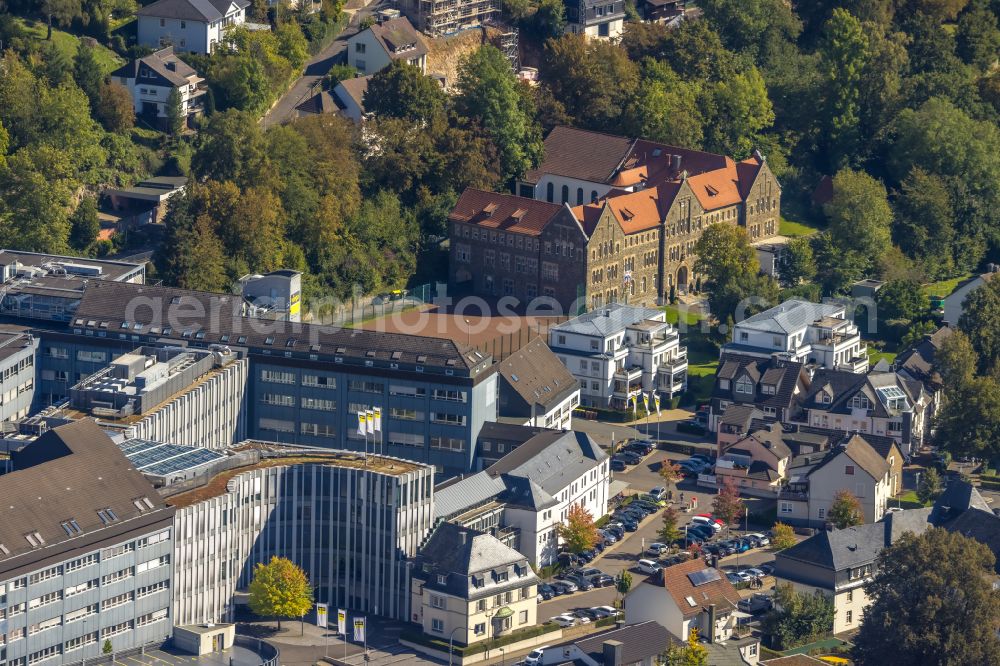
699	578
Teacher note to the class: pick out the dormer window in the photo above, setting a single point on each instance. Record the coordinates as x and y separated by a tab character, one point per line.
825	398
442	579
860	402
768	389
744	385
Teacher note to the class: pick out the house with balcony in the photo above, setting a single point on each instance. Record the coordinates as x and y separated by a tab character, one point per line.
152	79
882	402
596	19
198	26
772	386
816	334
619	352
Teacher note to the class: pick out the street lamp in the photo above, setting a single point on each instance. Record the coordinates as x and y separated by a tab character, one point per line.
451	642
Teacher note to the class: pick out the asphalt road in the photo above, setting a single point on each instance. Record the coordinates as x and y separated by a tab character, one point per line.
625	554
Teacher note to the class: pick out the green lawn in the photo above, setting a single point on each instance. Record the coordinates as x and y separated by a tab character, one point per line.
791	228
907	500
67	43
674	316
874	356
944	287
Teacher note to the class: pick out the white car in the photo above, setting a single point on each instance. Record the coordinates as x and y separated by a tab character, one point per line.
659	492
605	611
649	567
656	549
563	620
761	538
702	520
534	657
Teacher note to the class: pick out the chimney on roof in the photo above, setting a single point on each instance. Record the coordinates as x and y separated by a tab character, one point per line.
172	66
614	653
711	623
463	536
675	163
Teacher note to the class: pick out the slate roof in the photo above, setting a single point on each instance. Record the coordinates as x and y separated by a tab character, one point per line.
790	316
639	642
356	89
458	552
983	526
552	459
844	385
918	361
732	365
863	455
606	321
677	581
168	312
537	375
503	212
794	660
192	10
399	33
70	473
456	495
159	62
771	438
741	416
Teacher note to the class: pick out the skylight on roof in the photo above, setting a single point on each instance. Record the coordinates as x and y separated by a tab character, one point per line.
691	602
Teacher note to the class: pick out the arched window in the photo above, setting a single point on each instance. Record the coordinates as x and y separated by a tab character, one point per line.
593	196
565	193
579	196
550	192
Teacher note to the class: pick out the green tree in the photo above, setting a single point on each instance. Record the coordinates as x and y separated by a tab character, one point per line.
84	225
932	603
623	583
844	52
858	231
977	38
292	44
87	72
737	111
692	48
980	321
846	510
727	504
695	654
578	532
969	421
280	589
56	66
930	486
752	26
175	114
4	144
115	108
63	11
490	93
783	536
956	361
669	532
923	227
548	21
402	91
902	299
667	108
36	189
732	272
917	332
107	648
798	264
797	618
593	80
670	473
231	147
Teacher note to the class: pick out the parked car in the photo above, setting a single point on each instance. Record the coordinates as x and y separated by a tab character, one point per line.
659	492
588	555
564	587
702	531
534	657
649	566
602	580
589	571
608	536
756	573
615	531
580	582
743	576
755	603
708	519
655	500
564	620
545	591
581	616
762	539
643	448
628	457
733	578
768	569
656	549
630	525
617	465
568	559
606	611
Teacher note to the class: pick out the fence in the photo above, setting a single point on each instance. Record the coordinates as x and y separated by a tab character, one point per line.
269	654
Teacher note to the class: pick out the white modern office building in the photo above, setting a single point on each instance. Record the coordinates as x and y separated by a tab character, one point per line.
620	351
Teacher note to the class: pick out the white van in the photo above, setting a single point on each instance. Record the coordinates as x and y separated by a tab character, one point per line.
649	566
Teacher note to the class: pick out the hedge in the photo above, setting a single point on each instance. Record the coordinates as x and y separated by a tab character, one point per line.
517	635
989	484
606	621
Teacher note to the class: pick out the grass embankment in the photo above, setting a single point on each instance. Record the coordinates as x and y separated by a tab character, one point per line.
68	43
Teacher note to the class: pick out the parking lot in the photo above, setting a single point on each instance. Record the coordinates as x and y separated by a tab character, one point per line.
625	554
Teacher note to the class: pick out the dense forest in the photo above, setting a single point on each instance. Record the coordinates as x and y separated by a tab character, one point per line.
891	105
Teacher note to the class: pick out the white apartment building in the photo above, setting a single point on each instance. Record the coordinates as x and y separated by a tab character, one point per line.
818	334
620	351
523	497
189	25
150	81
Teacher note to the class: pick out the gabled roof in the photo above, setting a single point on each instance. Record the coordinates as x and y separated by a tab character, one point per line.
164	62
356	89
606	321
399	38
918	361
639	642
634	211
785	376
503	212
790	316
677	580
537	375
581	154
554	460
192	10
71	472
861	453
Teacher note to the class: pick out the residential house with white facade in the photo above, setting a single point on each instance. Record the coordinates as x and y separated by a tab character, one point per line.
524	497
694	596
152	79
771	385
881	402
596	19
374	48
536	389
620	351
189	25
468	586
817	334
